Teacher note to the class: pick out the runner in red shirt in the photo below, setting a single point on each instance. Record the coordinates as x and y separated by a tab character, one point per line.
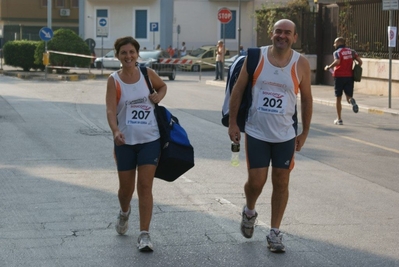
343	75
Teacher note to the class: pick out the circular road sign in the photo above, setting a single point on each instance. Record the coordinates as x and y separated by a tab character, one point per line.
224	15
46	34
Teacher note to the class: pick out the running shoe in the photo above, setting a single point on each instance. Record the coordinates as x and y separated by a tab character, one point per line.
247	224
338	122
355	107
122	223
275	242
144	242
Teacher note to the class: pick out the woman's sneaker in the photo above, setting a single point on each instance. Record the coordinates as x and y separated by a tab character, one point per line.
247	224
275	242
122	223
144	243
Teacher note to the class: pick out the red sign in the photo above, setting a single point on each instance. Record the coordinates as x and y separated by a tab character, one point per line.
224	15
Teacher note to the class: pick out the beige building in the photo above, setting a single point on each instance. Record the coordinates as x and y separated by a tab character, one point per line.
22	19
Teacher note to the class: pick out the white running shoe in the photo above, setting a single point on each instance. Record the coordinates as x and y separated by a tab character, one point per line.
338	122
144	243
122	223
275	242
247	224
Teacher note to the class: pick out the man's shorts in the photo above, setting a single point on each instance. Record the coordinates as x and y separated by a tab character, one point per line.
128	157
260	153
343	84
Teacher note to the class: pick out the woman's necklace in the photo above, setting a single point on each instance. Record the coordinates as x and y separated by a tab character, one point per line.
275	60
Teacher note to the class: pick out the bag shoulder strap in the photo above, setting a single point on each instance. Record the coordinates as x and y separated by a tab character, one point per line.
252	60
147	79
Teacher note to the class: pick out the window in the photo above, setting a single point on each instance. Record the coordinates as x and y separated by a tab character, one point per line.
75	3
141	24
44	3
60	3
230	28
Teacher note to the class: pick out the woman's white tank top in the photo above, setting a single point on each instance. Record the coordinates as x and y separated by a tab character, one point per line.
135	111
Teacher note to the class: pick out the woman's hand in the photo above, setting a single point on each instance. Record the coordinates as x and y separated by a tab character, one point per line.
119	138
154	97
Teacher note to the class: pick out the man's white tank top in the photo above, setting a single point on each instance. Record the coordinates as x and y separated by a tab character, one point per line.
135	111
273	113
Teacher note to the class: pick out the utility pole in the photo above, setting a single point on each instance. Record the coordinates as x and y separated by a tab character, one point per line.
239	26
49	14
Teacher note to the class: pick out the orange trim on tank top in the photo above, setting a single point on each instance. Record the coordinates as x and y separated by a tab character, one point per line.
294	78
118	91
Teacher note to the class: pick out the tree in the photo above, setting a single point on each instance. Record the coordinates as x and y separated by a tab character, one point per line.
65	40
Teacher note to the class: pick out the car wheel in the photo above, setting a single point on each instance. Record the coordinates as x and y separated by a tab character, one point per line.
173	75
195	68
99	65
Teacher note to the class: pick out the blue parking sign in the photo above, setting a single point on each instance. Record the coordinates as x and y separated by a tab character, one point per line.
153	26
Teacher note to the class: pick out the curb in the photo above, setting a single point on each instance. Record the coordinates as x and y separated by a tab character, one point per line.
362	108
55	77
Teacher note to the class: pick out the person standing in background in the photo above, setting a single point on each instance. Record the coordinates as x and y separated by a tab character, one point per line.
242	52
220	51
183	49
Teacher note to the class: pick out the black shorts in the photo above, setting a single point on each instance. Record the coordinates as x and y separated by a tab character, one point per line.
343	84
260	153
128	157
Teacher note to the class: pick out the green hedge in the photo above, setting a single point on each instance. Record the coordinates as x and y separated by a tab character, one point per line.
65	40
21	54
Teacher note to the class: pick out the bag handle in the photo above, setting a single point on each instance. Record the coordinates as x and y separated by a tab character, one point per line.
147	79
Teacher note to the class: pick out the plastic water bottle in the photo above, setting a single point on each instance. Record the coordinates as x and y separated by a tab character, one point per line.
235	154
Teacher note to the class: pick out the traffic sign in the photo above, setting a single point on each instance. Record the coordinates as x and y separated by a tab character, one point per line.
153	26
46	34
102	27
224	15
390	4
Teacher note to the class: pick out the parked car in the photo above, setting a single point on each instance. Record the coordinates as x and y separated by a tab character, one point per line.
109	61
203	57
153	60
229	61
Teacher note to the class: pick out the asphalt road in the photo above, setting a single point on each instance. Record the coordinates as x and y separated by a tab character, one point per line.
58	194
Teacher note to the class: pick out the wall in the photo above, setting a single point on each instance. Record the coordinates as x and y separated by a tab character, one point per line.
375	78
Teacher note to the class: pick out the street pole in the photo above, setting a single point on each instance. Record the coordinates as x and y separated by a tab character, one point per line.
49	14
239	26
390	64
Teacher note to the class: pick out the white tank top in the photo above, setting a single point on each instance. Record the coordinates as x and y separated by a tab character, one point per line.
135	111
273	113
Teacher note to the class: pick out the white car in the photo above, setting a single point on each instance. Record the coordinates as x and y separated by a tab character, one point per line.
109	61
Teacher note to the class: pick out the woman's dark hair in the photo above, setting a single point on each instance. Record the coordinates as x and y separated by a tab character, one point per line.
124	41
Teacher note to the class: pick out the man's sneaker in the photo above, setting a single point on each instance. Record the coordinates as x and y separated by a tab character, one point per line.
355	107
275	242
247	224
338	122
144	242
122	223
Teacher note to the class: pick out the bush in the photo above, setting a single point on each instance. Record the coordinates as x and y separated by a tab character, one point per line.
21	54
65	40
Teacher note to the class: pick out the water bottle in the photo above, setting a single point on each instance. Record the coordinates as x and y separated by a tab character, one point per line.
235	153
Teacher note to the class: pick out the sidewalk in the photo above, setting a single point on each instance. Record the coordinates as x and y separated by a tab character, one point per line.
322	94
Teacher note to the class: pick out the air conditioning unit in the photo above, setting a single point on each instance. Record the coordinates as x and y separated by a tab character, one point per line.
65	12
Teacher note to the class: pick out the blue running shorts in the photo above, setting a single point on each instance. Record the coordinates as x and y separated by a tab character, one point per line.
260	153
128	157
